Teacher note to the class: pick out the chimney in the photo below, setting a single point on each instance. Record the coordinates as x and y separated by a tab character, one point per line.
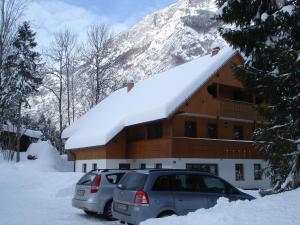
215	48
215	51
130	83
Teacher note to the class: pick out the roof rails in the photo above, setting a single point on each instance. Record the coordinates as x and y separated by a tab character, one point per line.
107	170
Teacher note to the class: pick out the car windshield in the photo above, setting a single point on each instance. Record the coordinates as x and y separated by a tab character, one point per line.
133	181
87	179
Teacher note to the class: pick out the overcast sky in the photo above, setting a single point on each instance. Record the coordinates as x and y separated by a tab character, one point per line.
50	16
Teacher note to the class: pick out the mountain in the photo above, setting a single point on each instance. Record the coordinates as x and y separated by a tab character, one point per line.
167	38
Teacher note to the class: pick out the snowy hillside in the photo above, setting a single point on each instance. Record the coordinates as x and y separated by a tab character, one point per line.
169	37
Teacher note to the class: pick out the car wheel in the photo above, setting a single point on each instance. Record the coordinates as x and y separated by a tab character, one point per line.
108	210
89	212
165	214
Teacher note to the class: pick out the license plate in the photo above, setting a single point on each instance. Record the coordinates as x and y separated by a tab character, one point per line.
122	206
80	192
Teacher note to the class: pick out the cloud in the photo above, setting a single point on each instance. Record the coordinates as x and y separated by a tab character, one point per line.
49	17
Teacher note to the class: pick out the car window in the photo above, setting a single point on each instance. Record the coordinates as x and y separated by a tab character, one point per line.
87	179
114	178
163	183
133	181
214	184
188	183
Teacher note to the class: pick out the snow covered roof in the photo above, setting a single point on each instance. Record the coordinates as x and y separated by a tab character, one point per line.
154	98
27	132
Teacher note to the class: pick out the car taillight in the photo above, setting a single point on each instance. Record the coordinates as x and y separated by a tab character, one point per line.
96	184
141	198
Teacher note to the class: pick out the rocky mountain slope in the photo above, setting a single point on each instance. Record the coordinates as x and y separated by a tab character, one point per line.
169	37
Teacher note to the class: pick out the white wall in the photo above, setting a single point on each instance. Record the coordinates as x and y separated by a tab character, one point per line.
226	168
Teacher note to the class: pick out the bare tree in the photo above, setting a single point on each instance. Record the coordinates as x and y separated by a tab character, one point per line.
99	60
70	47
61	68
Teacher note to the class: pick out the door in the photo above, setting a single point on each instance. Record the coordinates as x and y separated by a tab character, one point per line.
188	193
215	189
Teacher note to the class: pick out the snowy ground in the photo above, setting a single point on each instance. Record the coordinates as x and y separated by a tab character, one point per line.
35	193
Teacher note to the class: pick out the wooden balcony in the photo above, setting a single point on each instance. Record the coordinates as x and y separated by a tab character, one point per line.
182	147
239	110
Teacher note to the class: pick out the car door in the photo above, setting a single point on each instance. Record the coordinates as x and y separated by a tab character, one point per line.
160	195
188	194
215	189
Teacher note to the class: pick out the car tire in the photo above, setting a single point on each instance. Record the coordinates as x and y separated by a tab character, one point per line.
165	214
108	210
89	212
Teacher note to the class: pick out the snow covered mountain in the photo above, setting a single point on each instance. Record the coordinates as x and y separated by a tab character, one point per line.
166	38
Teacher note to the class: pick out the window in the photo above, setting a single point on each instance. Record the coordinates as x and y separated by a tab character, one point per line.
163	183
189	183
94	166
155	130
133	181
84	167
238	133
124	166
257	172
212	131
158	166
214	185
190	129
210	168
212	89
142	166
239	172
87	179
114	178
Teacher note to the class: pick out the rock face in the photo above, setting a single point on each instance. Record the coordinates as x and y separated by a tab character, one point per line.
167	38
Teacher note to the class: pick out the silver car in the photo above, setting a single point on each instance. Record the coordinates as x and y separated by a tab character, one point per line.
94	190
141	195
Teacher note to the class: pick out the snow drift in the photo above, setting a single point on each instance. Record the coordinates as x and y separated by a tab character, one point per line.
280	209
48	159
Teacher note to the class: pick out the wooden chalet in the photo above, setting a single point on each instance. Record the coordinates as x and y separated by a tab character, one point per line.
209	128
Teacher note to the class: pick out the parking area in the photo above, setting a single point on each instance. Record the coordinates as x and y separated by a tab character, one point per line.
30	197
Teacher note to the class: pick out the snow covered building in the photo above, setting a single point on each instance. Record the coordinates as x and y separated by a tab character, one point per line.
28	136
196	115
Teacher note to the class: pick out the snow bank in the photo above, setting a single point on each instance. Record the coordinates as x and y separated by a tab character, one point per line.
48	159
280	209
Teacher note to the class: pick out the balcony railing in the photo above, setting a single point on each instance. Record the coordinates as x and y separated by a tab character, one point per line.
183	147
239	110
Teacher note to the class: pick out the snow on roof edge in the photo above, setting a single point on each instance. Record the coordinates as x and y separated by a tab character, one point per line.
100	137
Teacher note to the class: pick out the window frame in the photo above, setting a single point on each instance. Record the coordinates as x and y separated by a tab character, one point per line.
158	167
192	133
259	173
142	166
242	175
215	136
84	167
193	166
235	129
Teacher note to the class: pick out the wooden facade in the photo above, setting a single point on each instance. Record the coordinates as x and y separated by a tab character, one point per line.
215	113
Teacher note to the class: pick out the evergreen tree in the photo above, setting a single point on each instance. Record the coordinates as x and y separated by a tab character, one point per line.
267	33
22	75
